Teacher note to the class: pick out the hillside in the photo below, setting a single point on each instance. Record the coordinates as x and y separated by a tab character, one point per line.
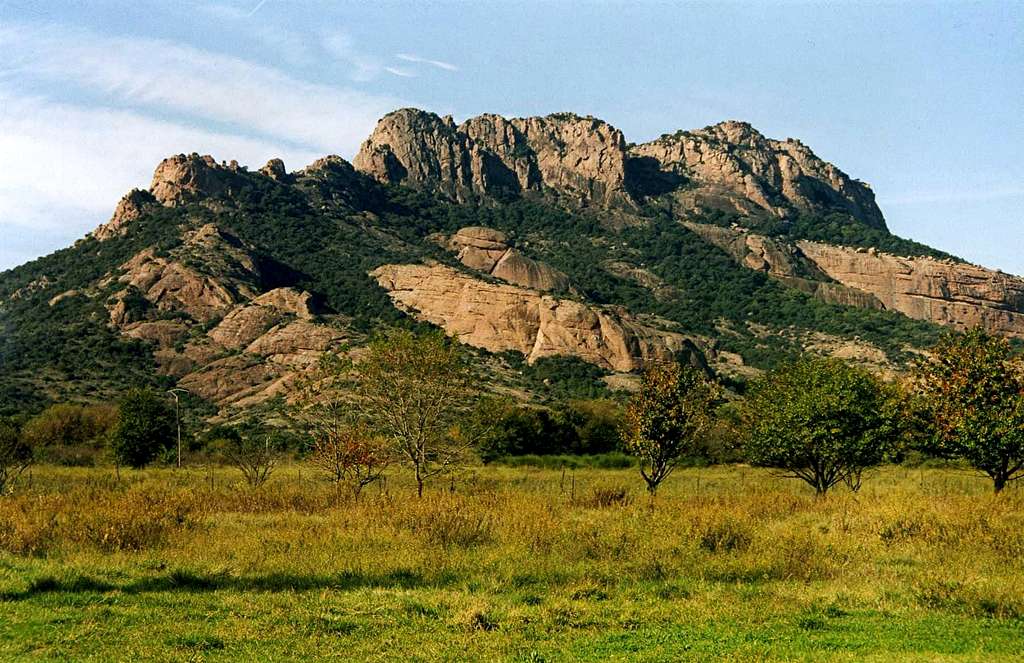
531	239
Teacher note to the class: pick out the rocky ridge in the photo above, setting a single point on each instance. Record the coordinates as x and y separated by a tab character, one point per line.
488	156
950	293
500	317
587	162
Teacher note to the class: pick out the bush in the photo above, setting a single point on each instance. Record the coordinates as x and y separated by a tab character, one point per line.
15	454
69	434
145	429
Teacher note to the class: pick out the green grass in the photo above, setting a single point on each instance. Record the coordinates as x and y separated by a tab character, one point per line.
518	564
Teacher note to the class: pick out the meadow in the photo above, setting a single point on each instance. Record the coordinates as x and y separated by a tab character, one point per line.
510	564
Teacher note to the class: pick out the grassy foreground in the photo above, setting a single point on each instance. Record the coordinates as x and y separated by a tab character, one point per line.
516	564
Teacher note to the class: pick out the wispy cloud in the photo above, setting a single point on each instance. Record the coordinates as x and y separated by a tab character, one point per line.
258	6
104	111
162	76
290	46
447	66
398	71
73	162
341	46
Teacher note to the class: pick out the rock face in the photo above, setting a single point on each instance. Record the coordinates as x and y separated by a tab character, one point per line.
246	323
170	283
492	157
488	251
275	170
948	293
784	262
130	208
182	178
504	317
954	294
732	167
585	161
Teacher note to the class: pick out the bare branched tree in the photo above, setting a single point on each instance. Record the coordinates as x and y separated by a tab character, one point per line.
15	455
255	456
350	454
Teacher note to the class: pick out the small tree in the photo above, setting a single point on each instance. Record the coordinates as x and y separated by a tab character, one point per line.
256	455
665	420
144	429
15	455
414	391
820	420
350	454
974	393
340	446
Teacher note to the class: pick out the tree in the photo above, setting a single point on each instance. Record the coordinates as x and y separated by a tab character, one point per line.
15	454
665	419
144	429
414	391
256	453
340	446
350	454
974	394
820	420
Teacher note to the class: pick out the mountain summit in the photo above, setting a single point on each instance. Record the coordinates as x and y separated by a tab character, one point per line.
533	239
728	167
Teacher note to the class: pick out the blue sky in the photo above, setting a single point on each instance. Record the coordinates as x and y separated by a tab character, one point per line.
923	101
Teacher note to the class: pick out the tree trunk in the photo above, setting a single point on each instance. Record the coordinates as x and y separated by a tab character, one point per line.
999	482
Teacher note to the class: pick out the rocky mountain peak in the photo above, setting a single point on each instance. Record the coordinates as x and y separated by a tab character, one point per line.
275	170
128	209
185	177
489	156
584	161
732	167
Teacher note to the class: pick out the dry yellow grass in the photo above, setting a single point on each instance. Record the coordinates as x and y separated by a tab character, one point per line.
516	563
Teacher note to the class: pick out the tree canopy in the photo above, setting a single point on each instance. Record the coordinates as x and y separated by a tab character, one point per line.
973	391
820	420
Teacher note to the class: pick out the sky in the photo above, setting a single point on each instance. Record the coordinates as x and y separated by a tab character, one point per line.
924	101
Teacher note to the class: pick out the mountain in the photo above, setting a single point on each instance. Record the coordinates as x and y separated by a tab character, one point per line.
550	244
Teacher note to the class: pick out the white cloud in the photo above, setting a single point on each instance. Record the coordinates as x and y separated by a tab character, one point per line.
74	163
421	60
110	108
340	46
165	76
398	71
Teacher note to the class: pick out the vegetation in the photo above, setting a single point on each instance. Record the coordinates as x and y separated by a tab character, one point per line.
414	391
15	454
974	395
517	565
255	456
350	455
144	430
578	427
666	420
820	420
70	434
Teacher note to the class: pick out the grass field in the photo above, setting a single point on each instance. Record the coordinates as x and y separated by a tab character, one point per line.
516	564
